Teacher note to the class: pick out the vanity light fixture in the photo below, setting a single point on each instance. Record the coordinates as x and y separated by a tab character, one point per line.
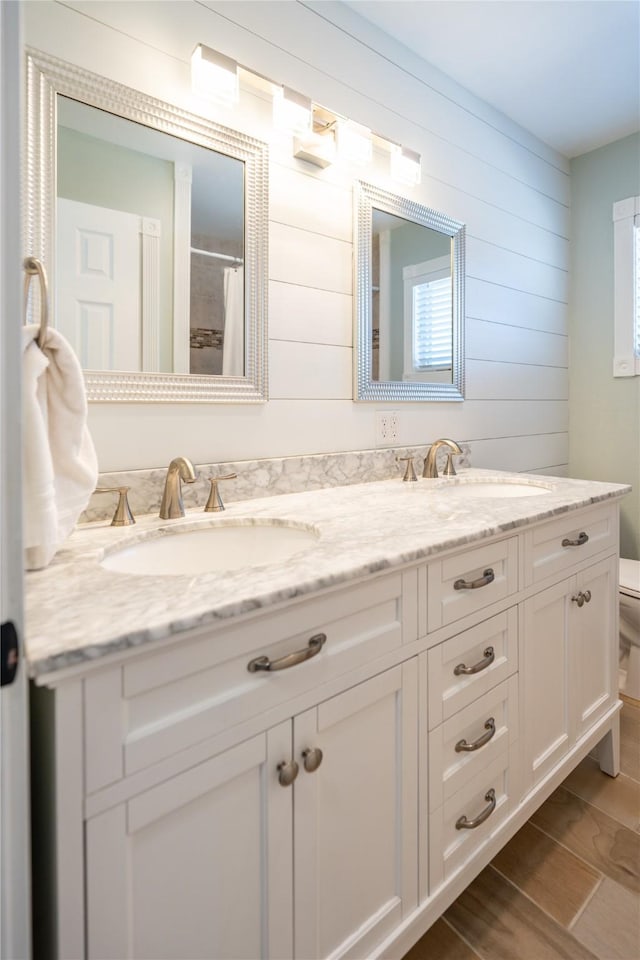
214	76
292	111
354	141
318	146
405	165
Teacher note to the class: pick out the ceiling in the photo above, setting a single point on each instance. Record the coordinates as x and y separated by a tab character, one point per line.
566	70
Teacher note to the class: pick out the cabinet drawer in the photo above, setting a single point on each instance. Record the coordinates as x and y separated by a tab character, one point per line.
485	728
449	846
491	568
155	706
450	691
554	547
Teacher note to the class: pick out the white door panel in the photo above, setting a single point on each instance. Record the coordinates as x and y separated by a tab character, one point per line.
99	285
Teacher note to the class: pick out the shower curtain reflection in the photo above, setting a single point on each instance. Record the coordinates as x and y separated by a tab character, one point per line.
233	342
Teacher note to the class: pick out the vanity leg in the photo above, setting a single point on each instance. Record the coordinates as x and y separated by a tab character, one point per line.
609	749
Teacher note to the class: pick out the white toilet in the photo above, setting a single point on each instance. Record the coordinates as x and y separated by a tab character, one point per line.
629	593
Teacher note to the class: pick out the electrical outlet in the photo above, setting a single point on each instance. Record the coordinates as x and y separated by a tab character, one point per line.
387	427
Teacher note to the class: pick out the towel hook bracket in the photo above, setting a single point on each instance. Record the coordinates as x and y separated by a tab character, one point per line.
34	267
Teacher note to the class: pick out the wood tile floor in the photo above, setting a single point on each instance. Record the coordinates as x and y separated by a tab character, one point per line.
567	886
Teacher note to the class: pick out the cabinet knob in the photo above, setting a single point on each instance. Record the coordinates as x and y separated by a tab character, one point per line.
582	598
312	758
287	772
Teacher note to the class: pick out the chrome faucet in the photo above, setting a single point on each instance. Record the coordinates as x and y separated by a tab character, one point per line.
179	469
430	469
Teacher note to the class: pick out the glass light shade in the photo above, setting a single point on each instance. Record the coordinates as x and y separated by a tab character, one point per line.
405	165
354	142
291	111
316	148
214	76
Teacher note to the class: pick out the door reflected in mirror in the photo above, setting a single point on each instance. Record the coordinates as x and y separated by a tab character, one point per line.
150	247
409	300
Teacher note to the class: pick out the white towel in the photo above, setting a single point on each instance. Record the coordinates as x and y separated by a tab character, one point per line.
60	467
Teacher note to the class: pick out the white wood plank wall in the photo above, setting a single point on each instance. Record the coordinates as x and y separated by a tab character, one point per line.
511	190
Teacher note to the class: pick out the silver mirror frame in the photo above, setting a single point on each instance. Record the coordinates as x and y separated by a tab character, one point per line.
46	77
366	197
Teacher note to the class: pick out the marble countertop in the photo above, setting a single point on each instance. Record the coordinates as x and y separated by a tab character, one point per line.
78	611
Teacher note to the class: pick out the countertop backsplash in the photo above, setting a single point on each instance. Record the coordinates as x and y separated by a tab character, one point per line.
263	478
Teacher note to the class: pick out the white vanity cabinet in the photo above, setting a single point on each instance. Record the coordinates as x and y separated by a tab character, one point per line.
568	664
203	864
336	804
200	865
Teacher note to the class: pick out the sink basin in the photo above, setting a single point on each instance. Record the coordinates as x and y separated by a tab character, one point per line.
194	549
493	489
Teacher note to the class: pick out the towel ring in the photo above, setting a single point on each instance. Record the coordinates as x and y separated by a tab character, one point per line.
33	266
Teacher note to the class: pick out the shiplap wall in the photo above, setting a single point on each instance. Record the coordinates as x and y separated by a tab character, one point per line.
511	190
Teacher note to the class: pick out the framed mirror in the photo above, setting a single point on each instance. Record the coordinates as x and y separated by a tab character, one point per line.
409	300
152	224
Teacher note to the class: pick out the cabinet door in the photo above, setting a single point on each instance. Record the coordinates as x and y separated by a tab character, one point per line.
199	866
594	644
355	822
545	677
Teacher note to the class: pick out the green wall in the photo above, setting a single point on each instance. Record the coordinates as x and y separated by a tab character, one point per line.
604	412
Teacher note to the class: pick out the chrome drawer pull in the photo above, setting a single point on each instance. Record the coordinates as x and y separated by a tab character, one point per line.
487	577
312	649
287	772
463	824
582	539
463	747
488	656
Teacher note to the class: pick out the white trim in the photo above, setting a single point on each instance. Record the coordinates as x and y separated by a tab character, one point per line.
626	217
150	230
181	267
15	879
384	307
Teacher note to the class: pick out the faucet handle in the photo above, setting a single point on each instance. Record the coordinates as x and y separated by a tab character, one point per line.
449	470
123	516
409	472
214	503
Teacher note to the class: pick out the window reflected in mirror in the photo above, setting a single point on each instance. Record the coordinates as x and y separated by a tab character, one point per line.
411	279
409	283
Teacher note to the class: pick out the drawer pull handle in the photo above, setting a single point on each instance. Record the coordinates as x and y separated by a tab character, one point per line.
463	824
582	538
312	758
488	656
463	747
312	649
287	772
487	577
582	598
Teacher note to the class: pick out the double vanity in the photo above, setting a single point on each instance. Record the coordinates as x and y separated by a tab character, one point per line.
299	728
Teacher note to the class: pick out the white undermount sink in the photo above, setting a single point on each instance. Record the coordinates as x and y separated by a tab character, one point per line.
195	549
493	488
